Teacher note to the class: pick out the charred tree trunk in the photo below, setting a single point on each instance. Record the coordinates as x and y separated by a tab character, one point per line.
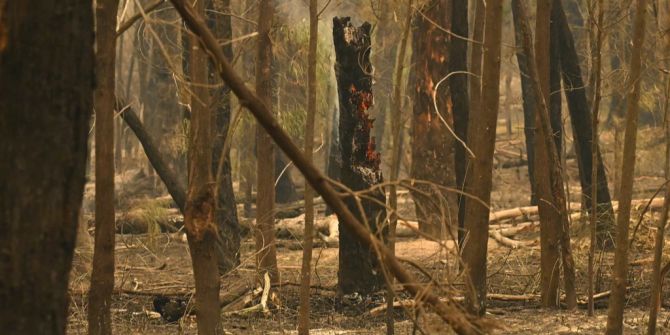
580	116
46	99
482	136
102	275
433	144
265	155
529	106
228	242
458	84
360	169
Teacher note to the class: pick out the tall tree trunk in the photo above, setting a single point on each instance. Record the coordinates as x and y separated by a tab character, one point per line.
200	202
228	242
306	271
618	297
358	265
481	140
432	143
549	222
102	276
529	105
46	99
580	116
555	234
265	197
458	85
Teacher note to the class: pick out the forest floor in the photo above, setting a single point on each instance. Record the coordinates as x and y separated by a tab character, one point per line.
148	265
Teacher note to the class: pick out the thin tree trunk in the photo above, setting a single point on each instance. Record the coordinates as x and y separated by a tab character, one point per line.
481	141
102	275
228	242
582	126
559	224
306	271
265	177
432	142
458	86
595	83
360	169
200	202
46	99
618	299
461	323
529	106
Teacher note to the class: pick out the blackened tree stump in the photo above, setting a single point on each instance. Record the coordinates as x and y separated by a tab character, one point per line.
358	264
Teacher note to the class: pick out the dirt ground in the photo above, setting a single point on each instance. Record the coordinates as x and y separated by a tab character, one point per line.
160	265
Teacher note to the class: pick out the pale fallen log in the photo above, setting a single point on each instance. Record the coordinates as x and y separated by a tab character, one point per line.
508	242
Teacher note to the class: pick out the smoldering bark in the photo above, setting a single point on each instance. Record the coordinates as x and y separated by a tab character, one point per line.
360	169
46	99
433	144
582	125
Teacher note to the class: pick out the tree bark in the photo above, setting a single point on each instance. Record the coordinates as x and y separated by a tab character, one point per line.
618	297
265	175
228	242
432	143
481	140
360	169
580	117
46	99
102	275
458	85
201	230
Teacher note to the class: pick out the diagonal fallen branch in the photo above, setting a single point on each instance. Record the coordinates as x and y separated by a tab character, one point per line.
461	322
